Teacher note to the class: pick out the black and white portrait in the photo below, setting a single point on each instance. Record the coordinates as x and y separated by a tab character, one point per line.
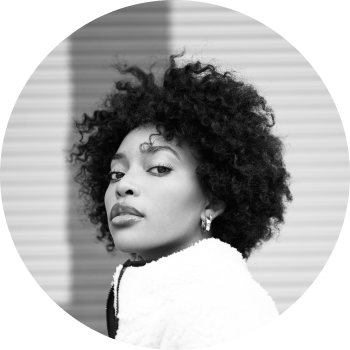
175	175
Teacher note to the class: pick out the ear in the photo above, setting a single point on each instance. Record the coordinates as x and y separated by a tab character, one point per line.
215	207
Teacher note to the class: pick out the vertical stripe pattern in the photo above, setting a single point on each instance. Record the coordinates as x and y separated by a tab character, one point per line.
138	35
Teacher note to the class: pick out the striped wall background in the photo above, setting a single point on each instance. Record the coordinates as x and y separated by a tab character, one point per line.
40	198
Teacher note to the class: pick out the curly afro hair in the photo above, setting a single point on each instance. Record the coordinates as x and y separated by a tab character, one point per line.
223	120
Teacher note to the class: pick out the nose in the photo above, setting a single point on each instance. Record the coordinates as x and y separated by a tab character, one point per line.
127	185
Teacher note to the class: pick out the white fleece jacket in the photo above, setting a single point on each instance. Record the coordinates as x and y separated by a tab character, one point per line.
201	296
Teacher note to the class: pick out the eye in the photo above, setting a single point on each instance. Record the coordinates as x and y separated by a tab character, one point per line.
115	175
161	170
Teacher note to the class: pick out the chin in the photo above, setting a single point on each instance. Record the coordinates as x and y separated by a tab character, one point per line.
127	242
124	246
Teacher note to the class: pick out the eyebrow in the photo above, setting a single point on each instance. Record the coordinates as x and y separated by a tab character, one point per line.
148	150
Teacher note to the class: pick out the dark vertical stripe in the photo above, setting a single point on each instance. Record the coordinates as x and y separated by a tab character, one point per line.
138	34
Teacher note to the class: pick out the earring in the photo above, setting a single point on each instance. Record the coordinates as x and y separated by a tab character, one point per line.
205	225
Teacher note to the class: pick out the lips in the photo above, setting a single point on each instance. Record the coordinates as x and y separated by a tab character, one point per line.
124	208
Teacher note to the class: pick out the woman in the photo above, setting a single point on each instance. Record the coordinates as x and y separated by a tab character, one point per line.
187	177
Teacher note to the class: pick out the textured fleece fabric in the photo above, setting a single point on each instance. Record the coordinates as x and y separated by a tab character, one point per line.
201	296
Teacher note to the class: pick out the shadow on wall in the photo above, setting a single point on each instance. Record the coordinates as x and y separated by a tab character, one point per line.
139	35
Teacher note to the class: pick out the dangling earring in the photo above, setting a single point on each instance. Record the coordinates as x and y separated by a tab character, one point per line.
205	225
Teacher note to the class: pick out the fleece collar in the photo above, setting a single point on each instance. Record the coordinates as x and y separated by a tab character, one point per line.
200	296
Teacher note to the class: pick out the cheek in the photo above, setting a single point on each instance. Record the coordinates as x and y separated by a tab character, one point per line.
179	200
108	198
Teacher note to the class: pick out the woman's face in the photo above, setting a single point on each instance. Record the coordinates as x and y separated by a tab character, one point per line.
162	186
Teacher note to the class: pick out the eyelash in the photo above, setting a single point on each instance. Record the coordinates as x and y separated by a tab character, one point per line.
166	166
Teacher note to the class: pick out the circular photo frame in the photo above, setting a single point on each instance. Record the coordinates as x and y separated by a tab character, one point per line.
40	198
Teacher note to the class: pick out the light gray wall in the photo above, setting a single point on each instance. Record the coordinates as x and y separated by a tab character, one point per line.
316	149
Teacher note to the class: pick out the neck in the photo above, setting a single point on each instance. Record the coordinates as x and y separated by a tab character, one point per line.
163	251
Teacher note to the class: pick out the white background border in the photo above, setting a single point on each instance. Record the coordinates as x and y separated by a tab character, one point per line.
30	30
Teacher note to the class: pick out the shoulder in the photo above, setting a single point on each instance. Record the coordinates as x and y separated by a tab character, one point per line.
226	297
220	308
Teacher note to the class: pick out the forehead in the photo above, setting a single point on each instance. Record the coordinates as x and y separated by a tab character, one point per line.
136	144
141	135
